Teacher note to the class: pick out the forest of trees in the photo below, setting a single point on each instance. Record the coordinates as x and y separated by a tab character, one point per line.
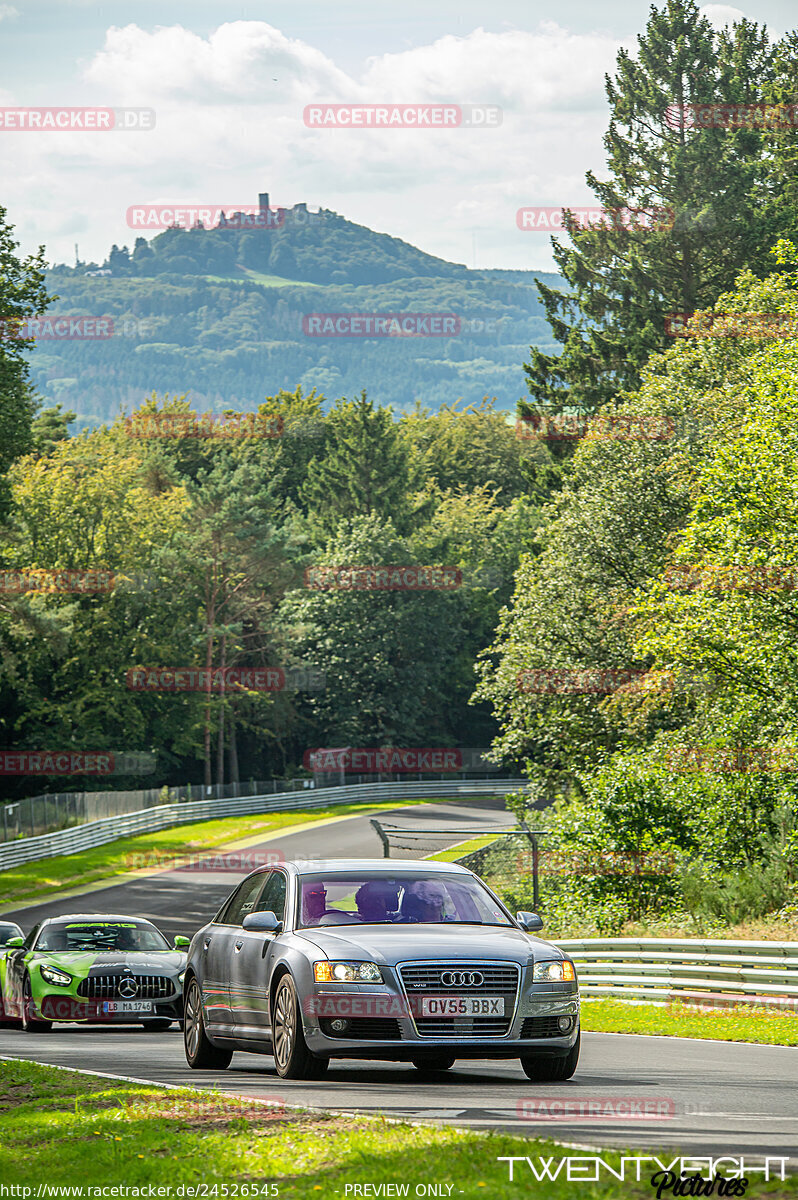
667	563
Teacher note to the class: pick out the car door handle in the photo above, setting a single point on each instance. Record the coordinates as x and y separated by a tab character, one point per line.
238	946
206	943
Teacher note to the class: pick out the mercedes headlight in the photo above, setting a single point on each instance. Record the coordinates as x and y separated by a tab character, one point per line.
557	971
53	975
347	972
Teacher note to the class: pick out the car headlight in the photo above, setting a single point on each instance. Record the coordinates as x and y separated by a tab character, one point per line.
347	972
558	971
53	975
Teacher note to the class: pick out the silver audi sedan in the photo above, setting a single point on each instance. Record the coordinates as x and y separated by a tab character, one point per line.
402	961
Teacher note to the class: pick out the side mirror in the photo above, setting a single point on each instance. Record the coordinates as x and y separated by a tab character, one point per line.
529	921
13	943
182	942
262	922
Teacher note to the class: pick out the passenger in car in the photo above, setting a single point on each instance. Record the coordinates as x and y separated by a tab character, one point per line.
423	901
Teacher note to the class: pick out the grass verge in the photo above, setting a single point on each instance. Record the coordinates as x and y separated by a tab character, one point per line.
48	875
83	1131
743	1023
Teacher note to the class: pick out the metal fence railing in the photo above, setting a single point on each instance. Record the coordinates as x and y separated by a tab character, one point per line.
715	972
47	812
163	816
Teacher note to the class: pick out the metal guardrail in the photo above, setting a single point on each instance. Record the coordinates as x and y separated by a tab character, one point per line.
716	972
149	820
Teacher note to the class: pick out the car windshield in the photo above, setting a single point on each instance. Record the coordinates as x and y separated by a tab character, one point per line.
404	898
8	931
123	936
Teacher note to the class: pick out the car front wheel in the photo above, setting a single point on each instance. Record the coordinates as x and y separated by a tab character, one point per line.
548	1069
291	1055
30	1023
200	1050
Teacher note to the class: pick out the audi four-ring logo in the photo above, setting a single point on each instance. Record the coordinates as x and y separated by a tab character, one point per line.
462	979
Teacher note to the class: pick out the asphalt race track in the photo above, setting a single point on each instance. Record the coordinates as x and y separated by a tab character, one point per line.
725	1098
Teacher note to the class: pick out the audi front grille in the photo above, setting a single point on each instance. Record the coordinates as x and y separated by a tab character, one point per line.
106	987
498	979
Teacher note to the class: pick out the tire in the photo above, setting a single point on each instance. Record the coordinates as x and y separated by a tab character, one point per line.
201	1054
433	1063
548	1069
158	1025
31	1024
292	1058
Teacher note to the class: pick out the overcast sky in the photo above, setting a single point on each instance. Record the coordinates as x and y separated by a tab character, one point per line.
229	82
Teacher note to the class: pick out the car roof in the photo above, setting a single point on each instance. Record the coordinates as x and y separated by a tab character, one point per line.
383	866
95	917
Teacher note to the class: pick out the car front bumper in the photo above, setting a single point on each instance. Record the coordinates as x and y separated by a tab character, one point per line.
57	1007
380	1023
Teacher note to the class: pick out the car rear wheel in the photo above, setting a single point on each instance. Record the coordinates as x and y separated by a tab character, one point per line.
548	1069
201	1054
291	1055
29	1023
434	1062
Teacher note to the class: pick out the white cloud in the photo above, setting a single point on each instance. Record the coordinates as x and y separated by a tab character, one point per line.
8	10
721	14
230	123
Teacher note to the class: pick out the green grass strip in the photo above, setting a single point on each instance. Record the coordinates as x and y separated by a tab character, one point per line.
63	1129
742	1023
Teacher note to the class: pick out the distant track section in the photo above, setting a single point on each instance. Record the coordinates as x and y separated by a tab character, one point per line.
149	820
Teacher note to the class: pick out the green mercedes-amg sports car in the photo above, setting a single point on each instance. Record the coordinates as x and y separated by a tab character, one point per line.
93	968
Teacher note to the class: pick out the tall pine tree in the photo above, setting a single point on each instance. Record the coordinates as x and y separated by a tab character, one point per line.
365	469
708	182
